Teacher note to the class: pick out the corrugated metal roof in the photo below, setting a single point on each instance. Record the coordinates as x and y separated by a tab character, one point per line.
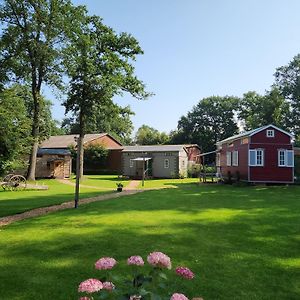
64	141
53	151
154	148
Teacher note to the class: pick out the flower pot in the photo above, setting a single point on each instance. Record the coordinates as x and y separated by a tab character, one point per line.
119	189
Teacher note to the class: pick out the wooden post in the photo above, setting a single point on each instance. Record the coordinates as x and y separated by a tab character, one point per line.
143	181
78	140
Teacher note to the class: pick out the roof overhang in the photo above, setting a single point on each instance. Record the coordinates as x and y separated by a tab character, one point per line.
142	158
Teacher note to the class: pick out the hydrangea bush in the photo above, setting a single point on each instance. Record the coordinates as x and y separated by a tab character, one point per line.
141	285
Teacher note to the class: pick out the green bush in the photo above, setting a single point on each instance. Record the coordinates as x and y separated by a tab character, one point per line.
193	171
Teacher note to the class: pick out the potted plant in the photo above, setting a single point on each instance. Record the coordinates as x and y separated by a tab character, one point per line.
119	187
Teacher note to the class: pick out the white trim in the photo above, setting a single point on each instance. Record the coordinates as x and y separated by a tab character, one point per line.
235	163
228	159
270	133
262	157
285	156
274	127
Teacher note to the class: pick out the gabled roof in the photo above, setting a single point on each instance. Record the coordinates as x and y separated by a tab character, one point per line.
154	148
251	133
64	141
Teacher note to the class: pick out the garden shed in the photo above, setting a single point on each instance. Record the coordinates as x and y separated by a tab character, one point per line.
160	161
262	155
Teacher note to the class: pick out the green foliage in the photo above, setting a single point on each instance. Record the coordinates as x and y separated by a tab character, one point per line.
33	34
211	120
112	119
193	171
94	157
14	130
288	81
147	135
256	110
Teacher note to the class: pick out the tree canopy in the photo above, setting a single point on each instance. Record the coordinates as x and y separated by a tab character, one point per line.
33	35
211	120
147	135
288	82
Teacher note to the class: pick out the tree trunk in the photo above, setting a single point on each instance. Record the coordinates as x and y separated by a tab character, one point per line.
35	135
77	185
79	159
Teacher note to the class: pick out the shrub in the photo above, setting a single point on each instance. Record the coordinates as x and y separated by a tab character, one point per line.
153	284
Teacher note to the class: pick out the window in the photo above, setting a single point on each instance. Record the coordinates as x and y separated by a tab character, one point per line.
166	164
228	158
131	163
235	158
270	133
285	158
256	157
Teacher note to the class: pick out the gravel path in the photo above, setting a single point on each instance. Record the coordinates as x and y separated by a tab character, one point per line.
66	205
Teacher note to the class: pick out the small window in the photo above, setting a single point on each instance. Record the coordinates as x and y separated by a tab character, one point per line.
166	164
131	163
270	133
235	158
228	158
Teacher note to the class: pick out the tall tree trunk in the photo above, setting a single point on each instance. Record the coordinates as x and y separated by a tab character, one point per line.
79	159
35	135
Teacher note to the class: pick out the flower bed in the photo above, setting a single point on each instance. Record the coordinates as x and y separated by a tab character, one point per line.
141	284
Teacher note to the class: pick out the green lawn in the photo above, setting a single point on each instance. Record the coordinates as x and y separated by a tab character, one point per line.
12	202
103	181
243	243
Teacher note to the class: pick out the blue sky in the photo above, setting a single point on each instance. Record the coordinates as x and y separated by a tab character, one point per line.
198	48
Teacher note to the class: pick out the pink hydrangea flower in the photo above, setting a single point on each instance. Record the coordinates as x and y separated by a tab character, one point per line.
185	272
159	259
84	298
135	260
177	296
90	286
105	263
109	286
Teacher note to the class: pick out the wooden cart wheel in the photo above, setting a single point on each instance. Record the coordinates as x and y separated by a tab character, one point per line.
18	182
7	177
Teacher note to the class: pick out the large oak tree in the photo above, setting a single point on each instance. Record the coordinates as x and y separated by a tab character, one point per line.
33	34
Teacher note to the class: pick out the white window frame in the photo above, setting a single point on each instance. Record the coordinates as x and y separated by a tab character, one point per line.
270	133
262	158
131	163
228	159
235	158
166	163
285	155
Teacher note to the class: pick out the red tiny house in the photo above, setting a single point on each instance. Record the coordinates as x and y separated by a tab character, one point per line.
262	155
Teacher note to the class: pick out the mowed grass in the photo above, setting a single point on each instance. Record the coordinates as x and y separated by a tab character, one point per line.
242	243
13	202
103	181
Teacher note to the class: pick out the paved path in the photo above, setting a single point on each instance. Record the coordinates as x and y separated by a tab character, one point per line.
66	205
133	185
68	182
